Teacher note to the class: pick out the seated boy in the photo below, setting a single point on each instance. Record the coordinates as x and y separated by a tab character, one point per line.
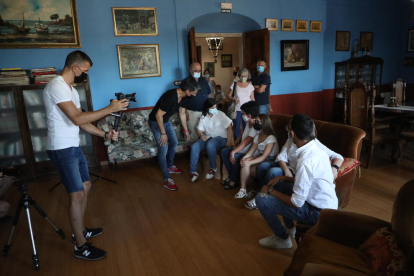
302	200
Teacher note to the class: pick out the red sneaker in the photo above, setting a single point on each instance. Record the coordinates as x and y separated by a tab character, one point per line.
174	169
170	185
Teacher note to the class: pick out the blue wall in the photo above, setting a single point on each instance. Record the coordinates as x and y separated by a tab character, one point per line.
176	16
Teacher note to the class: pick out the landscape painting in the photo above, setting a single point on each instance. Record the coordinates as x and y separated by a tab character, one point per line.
139	61
135	21
39	24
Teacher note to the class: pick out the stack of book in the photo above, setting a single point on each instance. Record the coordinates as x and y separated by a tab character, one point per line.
14	76
44	75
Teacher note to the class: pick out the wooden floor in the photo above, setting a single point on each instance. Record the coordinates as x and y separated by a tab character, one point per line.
148	230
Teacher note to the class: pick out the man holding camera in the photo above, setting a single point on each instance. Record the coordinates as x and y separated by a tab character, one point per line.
64	118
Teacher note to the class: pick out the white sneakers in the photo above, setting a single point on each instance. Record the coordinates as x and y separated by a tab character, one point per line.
291	231
241	194
276	242
211	173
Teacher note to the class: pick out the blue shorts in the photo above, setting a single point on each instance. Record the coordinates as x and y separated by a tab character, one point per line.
72	167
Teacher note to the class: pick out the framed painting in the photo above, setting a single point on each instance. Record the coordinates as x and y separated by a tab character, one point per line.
343	39
210	67
287	25
410	44
139	61
316	26
365	41
272	24
301	25
135	21
227	60
294	55
48	24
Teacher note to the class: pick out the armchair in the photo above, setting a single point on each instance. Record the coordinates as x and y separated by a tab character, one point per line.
331	247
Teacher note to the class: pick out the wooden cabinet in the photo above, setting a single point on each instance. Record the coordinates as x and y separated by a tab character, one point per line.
23	129
366	70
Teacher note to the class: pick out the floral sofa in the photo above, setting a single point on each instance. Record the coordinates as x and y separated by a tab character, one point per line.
136	140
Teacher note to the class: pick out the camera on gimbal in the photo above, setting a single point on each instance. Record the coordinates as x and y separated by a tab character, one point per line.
130	97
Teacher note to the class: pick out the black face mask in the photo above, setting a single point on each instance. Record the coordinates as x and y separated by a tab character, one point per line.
257	126
82	77
234	73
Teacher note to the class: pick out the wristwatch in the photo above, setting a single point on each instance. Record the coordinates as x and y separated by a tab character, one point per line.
335	166
269	190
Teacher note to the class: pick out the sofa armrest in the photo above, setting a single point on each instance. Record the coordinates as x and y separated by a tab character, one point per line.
346	228
326	270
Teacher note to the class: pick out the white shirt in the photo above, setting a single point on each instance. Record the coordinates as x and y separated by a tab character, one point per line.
248	131
288	154
243	94
62	133
261	147
314	179
214	126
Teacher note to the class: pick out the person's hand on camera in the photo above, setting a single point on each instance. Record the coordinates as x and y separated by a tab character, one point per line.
163	140
113	135
116	105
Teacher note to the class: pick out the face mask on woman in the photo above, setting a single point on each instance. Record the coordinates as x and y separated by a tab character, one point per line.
212	110
290	137
244	79
206	76
218	91
257	126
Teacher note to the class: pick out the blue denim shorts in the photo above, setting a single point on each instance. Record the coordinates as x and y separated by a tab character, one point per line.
72	167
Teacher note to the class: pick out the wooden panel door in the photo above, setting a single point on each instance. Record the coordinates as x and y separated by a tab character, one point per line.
192	49
256	45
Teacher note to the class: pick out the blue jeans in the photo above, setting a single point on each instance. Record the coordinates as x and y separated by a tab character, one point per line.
268	170
237	123
232	169
72	167
264	109
165	153
211	146
270	207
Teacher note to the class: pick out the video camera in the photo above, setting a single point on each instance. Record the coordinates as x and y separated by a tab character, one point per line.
121	96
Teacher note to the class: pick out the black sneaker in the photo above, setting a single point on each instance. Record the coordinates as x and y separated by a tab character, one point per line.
89	252
89	233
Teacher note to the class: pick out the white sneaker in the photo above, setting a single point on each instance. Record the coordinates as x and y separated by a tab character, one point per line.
276	242
241	194
193	176
251	204
211	173
291	231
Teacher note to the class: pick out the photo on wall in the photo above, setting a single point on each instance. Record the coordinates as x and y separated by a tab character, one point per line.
366	41
210	67
410	46
135	21
227	60
343	39
51	24
139	61
294	55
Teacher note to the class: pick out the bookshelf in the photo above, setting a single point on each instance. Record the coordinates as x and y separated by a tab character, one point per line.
23	129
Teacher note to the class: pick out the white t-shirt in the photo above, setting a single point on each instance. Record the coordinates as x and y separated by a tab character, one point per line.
62	133
243	94
248	131
261	147
214	126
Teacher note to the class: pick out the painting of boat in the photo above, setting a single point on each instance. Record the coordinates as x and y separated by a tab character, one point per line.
41	28
22	29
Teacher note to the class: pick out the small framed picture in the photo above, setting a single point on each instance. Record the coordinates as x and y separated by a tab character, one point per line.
287	25
301	25
227	60
210	67
139	61
135	21
294	55
365	41
343	39
316	26
272	24
410	44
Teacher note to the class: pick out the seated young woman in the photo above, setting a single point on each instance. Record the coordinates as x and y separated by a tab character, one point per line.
231	156
263	148
286	162
214	130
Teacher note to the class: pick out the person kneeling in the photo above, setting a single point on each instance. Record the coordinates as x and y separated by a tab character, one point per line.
313	188
214	130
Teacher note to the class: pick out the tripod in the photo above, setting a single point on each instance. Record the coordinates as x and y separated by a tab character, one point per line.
97	178
24	201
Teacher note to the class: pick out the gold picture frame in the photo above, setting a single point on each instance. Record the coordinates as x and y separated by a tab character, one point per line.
316	26
135	21
139	61
287	25
301	25
272	24
35	30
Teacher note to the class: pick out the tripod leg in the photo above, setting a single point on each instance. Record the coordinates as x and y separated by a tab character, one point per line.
14	223
35	257
43	214
101	177
51	189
